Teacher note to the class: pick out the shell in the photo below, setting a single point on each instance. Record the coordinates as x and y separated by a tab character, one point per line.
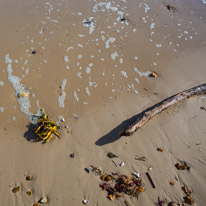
138	175
103	177
16	189
36	204
140	189
23	94
111	197
189	200
108	178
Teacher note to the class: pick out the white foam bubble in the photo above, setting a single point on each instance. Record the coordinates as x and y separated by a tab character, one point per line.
87	91
89	23
88	70
15	81
76	98
70	48
158	45
75	116
146	74
136	80
146	8
66	59
110	40
152	26
80	45
124	74
79	74
114	55
79	56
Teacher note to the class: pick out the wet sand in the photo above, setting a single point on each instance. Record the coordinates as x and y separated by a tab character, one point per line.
105	53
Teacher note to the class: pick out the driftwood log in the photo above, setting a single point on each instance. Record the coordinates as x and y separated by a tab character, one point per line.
153	111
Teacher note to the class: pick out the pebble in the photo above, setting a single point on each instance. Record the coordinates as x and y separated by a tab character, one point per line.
122	164
72	155
43	200
29	193
29	177
85	201
88	169
111	155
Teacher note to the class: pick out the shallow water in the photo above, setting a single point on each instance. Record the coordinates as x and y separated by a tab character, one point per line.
71	56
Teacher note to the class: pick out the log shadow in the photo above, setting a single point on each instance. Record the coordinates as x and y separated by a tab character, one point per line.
30	135
120	130
116	133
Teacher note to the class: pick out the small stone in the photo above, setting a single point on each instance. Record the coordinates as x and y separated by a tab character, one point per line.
111	155
122	164
180	166
85	201
43	200
153	75
171	8
140	189
29	193
172	183
34	52
160	149
88	169
72	155
29	178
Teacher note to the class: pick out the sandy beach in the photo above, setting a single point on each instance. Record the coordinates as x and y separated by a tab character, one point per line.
88	65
